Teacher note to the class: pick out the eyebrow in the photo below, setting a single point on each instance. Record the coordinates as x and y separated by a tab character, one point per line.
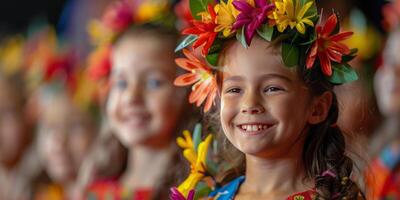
265	76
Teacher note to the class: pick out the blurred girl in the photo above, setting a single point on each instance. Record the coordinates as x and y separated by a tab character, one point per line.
143	107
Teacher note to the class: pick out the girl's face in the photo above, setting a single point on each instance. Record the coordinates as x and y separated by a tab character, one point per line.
387	78
143	105
64	140
12	126
264	105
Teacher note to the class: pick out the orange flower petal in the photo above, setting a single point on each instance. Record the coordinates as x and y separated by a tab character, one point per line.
186	79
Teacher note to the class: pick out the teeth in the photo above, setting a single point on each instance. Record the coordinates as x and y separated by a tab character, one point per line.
253	127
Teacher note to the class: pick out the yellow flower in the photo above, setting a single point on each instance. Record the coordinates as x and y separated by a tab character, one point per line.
197	161
291	13
151	9
98	33
11	54
226	16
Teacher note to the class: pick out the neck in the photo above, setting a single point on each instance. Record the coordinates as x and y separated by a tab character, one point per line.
275	177
146	166
393	123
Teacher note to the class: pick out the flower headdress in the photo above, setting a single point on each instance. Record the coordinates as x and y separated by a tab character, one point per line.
118	17
52	65
304	42
11	55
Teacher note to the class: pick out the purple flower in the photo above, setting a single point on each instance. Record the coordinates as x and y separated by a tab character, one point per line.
176	195
251	18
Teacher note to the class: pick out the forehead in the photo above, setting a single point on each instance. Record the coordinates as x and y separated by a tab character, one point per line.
137	54
257	60
392	48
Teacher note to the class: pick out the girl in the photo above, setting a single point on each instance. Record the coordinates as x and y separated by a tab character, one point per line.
276	107
143	106
18	162
384	175
66	127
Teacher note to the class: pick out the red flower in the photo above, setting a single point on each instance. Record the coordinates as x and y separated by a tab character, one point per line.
185	17
99	64
204	30
205	87
327	46
118	16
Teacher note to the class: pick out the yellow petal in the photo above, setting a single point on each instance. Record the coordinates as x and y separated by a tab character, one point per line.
304	9
301	28
202	153
190	155
289	8
307	21
190	183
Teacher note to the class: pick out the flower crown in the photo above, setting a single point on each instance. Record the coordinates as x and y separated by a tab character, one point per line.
304	43
49	63
118	17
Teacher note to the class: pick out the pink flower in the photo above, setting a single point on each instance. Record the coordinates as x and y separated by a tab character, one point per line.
118	16
176	195
251	18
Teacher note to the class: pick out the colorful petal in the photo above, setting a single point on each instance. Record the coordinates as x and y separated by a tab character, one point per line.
329	25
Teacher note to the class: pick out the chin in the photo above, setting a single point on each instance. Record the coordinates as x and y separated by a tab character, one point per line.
129	137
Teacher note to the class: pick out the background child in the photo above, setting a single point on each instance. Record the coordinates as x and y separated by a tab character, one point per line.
145	110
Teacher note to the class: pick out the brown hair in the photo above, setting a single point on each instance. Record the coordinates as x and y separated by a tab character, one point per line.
324	146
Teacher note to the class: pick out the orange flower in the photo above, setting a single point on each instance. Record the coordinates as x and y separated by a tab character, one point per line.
204	30
205	84
328	47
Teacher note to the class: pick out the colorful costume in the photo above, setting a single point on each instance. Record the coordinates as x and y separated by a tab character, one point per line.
384	177
111	190
228	192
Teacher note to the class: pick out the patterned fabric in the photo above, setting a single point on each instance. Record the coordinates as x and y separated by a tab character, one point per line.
384	178
112	190
228	192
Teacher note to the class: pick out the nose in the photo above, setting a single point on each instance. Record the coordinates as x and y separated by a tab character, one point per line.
134	94
251	104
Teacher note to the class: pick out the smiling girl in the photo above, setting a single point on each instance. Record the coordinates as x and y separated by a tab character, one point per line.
276	105
143	106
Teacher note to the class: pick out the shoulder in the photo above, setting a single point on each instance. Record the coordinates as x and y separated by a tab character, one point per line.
228	191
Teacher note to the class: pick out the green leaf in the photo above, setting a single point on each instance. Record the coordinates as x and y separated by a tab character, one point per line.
196	136
342	73
290	54
350	56
213	58
240	37
186	42
197	6
266	32
202	190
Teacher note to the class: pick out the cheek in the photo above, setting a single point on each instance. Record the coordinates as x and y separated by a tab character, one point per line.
112	105
164	103
229	109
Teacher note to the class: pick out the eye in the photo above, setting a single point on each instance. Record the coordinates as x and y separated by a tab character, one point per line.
270	89
154	83
233	90
121	84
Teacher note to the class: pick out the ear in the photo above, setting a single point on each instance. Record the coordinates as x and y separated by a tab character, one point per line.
320	108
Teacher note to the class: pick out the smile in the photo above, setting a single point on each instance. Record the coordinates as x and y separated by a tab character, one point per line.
254	127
